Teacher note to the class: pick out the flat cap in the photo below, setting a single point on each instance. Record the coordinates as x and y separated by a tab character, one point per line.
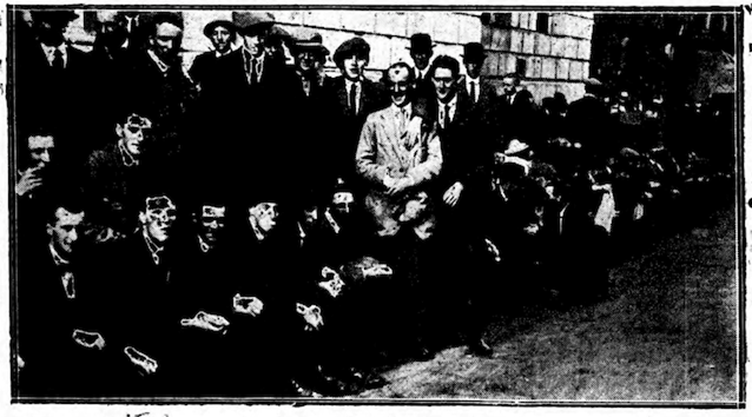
355	46
252	21
308	40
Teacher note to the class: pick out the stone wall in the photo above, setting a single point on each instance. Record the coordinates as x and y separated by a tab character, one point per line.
555	58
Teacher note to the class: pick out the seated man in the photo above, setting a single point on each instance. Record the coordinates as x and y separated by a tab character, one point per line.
113	176
47	307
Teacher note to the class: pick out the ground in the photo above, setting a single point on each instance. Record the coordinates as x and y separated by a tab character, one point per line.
667	332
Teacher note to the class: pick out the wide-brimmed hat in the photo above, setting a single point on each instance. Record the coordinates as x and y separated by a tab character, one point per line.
474	51
420	42
249	22
209	28
355	46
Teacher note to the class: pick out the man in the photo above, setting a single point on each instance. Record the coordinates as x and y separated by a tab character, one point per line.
517	109
203	71
52	83
481	92
355	97
398	153
587	118
114	176
48	299
203	300
159	86
143	319
421	51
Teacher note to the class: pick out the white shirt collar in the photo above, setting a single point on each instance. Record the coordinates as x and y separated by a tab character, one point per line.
408	108
49	52
59	260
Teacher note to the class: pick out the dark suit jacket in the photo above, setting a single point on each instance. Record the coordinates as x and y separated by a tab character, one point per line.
345	136
53	100
587	121
518	117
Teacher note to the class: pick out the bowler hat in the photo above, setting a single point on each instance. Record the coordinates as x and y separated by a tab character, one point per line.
474	51
355	46
249	22
209	28
420	42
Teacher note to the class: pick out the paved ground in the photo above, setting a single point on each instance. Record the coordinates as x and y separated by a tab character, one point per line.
667	332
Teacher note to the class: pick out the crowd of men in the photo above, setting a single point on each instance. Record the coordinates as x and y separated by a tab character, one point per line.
249	228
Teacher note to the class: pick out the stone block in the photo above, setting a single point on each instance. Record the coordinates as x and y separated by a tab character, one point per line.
469	29
530	67
445	27
525	20
515	41
391	23
418	22
328	19
502	39
294	17
528	42
515	19
355	20
537	63
583	49
542	44
575	70
491	64
510	65
557	46
570	47
381	53
400	51
562	69
332	38
486	36
586	69
548	68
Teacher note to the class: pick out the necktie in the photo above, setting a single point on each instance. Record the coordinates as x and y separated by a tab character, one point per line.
353	99
254	73
403	119
473	94
57	61
446	116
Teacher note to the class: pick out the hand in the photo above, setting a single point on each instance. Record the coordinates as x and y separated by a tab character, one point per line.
146	364
90	340
452	195
251	306
401	185
29	181
311	315
499	157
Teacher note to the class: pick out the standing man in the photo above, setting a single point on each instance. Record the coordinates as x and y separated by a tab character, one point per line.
355	97
159	86
53	83
204	72
588	117
481	92
421	51
517	109
398	154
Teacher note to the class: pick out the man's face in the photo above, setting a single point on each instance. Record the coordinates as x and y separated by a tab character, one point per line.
220	38
266	215
444	82
114	32
307	61
133	132
159	217
421	59
473	68
166	42
254	43
399	86
342	203
40	149
64	232
509	86
352	67
212	223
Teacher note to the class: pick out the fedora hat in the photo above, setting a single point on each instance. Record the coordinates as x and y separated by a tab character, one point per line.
209	28
248	22
420	42
309	40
